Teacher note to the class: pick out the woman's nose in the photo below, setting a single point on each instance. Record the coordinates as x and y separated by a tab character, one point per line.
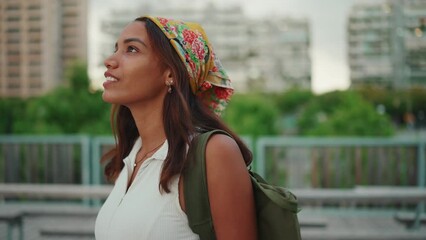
110	62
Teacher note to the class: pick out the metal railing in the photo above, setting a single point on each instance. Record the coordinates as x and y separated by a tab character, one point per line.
374	158
45	159
308	165
322	162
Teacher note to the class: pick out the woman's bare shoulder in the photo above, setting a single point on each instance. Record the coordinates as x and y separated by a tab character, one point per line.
230	190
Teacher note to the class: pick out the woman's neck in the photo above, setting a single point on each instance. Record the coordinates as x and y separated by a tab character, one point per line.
149	122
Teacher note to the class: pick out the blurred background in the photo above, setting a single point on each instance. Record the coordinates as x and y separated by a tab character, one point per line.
330	97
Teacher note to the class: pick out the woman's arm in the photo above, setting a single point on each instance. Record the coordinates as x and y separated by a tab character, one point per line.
230	190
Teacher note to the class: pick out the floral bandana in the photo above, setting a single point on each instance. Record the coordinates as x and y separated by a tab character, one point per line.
208	79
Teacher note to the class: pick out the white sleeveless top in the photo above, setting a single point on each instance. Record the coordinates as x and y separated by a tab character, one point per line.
143	212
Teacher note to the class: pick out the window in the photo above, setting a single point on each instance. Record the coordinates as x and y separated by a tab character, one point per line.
34	29
13	74
13	30
13	18
12	7
12	64
33	7
34	18
13	85
13	52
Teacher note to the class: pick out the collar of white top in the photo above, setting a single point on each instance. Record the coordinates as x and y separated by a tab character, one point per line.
160	154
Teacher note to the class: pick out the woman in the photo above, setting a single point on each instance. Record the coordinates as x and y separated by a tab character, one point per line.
166	86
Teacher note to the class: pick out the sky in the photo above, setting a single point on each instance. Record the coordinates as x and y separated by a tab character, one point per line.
328	20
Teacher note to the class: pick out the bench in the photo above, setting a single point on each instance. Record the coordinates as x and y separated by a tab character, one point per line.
54	191
312	221
411	219
13	215
13	221
368	195
360	194
54	231
82	228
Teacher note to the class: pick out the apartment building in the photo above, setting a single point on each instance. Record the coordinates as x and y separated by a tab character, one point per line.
387	44
38	40
259	54
280	53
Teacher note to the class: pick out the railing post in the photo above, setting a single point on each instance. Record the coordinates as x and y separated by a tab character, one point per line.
260	157
421	178
96	168
85	163
95	160
96	154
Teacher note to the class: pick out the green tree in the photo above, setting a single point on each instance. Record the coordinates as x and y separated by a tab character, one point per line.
343	114
77	76
292	100
12	110
67	110
252	115
397	103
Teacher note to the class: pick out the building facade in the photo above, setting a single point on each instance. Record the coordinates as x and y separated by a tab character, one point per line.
387	44
259	54
38	40
280	54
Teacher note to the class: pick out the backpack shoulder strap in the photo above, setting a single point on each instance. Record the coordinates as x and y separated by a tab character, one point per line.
197	203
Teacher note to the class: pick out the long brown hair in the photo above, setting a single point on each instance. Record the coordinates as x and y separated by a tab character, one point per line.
179	107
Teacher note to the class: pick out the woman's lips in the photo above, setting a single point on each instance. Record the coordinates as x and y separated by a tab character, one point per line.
109	80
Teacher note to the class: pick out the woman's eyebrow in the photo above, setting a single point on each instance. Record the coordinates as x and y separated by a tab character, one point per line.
135	40
127	40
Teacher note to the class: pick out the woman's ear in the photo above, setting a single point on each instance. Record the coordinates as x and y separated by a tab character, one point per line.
169	80
168	74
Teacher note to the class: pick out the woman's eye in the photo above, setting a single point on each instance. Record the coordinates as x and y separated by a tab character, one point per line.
132	49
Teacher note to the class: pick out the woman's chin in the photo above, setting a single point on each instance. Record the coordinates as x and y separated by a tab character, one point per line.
107	98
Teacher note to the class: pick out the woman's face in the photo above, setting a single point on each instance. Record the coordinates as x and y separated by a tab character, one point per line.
134	73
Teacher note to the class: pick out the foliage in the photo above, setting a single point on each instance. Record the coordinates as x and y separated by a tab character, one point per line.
397	103
252	114
65	110
292	100
343	114
12	110
77	76
74	108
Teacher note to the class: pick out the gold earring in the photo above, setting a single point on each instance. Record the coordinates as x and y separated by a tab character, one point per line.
169	84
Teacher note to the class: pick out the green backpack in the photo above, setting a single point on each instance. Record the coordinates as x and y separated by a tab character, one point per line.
276	208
